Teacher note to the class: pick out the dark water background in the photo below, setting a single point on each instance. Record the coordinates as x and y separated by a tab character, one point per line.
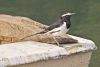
86	22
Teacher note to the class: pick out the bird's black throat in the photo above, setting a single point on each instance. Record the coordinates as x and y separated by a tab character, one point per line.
67	20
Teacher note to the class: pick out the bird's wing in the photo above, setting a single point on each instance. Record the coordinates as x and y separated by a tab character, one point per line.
54	25
51	27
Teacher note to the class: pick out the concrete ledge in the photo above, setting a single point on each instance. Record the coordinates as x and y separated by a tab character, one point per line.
75	60
30	53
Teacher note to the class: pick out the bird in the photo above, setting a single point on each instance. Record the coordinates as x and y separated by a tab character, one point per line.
61	26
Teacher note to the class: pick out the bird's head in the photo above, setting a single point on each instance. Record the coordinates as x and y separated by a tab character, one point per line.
67	16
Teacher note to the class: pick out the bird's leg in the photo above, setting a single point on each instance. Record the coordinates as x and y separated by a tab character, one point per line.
56	41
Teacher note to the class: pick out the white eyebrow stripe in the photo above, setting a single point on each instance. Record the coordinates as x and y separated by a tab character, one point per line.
66	14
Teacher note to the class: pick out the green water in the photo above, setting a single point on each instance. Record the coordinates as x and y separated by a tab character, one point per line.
86	23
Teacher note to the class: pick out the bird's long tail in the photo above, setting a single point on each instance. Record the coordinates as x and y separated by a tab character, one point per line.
33	35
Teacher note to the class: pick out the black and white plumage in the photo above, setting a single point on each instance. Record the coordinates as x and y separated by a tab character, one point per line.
61	26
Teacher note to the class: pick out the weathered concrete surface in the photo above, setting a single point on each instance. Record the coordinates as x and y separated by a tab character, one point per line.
76	60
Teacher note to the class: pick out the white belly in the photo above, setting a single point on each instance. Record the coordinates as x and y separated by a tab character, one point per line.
61	30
